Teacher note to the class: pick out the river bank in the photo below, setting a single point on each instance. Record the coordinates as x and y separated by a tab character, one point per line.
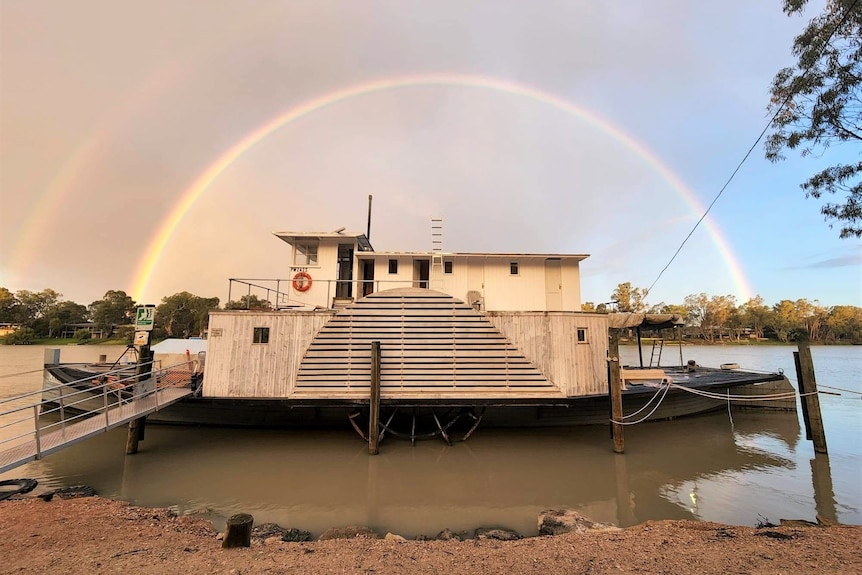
96	535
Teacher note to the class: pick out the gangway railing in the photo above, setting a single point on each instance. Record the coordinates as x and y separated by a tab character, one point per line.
110	399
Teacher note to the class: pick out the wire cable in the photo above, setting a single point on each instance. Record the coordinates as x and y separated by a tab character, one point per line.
751	149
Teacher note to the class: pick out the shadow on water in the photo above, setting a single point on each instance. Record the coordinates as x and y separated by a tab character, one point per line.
315	479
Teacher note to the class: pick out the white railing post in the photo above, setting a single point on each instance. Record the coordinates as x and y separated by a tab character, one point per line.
105	396
36	433
62	410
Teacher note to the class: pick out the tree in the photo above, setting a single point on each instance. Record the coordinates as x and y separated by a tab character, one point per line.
628	298
31	308
115	308
64	313
8	306
818	105
184	314
588	306
710	314
756	315
249	302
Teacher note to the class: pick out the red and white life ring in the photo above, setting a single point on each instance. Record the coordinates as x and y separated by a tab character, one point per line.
301	281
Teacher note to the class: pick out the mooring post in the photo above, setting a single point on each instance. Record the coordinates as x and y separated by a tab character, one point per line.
374	403
615	383
237	533
136	426
135	434
808	394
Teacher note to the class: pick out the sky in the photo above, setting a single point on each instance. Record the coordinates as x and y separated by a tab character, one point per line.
557	127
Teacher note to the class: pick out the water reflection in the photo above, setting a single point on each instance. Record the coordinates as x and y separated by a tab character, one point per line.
317	479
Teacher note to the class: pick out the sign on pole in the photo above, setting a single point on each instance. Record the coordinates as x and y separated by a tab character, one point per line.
144	318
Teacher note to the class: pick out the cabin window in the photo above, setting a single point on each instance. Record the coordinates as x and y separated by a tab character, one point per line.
306	254
261	335
582	335
447	267
513	268
393	266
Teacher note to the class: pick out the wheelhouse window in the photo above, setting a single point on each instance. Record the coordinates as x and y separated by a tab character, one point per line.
261	335
447	267
582	335
393	266
513	268
306	254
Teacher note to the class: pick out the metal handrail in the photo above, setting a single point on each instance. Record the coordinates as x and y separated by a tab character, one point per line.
39	429
285	296
82	380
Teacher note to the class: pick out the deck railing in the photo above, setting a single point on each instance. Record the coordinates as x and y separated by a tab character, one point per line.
114	387
272	290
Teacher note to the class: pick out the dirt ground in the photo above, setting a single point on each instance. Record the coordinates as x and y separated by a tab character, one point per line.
94	535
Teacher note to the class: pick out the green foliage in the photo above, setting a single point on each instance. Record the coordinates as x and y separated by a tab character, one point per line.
21	336
8	305
62	314
115	308
248	302
184	314
629	299
823	106
125	333
82	334
32	306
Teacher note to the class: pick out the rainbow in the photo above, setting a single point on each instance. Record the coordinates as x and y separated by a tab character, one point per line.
150	259
48	204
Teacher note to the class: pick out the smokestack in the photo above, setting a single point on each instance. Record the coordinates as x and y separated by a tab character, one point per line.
368	229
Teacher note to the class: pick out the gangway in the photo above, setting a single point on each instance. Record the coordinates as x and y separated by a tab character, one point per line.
69	424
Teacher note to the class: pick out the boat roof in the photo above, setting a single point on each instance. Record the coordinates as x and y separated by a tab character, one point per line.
487	255
621	320
340	233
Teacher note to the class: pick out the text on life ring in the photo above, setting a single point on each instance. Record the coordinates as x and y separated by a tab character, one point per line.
301	281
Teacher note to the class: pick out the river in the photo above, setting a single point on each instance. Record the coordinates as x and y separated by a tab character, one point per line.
739	468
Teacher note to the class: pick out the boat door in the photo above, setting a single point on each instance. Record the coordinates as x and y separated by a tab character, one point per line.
553	284
421	273
367	277
344	285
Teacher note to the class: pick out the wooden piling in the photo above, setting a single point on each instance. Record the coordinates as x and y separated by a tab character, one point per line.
238	531
136	427
615	385
374	402
135	434
615	390
810	401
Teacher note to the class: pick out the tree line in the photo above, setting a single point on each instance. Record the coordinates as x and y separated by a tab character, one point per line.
46	314
717	317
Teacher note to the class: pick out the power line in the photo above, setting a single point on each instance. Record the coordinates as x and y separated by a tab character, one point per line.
751	149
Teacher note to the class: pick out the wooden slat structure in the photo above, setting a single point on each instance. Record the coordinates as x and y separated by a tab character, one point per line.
433	346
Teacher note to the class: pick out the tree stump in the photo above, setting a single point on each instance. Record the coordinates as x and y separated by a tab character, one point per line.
238	531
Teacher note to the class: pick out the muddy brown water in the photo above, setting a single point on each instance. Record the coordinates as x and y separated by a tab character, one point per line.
737	468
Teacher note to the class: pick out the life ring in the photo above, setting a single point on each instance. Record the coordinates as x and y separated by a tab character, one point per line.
301	281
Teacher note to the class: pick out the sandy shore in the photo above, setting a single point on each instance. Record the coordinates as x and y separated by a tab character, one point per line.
95	535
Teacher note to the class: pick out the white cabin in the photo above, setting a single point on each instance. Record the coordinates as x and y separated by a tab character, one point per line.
451	326
344	267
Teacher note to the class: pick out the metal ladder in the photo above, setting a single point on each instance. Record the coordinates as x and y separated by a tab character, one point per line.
657	347
436	271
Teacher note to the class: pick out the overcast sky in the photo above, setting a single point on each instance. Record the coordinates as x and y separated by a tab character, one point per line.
110	111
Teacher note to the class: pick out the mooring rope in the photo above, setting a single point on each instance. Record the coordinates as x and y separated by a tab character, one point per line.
648	415
647	404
